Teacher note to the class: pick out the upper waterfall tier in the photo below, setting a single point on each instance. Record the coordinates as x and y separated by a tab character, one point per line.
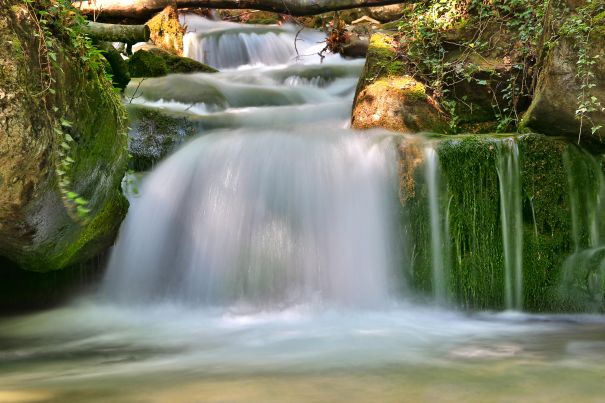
227	45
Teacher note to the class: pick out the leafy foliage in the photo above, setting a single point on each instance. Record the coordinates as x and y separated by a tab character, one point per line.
446	43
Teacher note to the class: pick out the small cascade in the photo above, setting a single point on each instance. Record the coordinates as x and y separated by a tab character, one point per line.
511	216
264	220
227	45
439	230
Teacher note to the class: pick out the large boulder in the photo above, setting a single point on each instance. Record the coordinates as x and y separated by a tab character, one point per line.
562	91
62	145
389	98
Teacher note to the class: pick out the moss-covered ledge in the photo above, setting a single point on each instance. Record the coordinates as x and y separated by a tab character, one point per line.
555	175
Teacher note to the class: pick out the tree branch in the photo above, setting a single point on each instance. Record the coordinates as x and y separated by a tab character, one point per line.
144	9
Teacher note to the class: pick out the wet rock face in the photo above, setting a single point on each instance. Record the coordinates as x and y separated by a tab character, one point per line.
154	134
38	228
389	98
553	109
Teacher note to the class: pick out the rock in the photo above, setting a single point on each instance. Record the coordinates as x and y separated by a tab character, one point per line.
389	98
156	62
553	109
387	13
166	31
49	167
154	134
355	47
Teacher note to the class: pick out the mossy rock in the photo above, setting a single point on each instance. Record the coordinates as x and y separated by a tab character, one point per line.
166	31
389	98
399	104
156	62
39	227
154	134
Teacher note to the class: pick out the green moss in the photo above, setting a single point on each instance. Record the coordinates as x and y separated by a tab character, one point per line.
94	235
146	64
410	88
382	58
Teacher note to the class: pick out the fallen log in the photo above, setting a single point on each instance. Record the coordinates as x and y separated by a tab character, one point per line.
144	9
117	33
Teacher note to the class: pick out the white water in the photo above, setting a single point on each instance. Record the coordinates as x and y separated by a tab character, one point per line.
227	45
267	219
439	229
512	223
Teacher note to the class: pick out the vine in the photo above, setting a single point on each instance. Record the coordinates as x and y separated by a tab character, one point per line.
58	30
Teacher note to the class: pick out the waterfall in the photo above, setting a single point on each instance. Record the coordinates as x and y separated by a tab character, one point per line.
511	216
439	231
265	220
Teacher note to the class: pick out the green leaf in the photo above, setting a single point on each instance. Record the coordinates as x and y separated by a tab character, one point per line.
82	211
81	201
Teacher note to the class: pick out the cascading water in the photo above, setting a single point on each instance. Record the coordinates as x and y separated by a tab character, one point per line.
512	226
230	45
268	219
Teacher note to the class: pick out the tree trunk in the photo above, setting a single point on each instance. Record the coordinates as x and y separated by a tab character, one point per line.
117	33
144	9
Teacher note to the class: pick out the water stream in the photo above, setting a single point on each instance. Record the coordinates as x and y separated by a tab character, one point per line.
262	261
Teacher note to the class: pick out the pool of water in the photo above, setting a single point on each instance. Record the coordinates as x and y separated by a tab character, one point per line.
91	351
